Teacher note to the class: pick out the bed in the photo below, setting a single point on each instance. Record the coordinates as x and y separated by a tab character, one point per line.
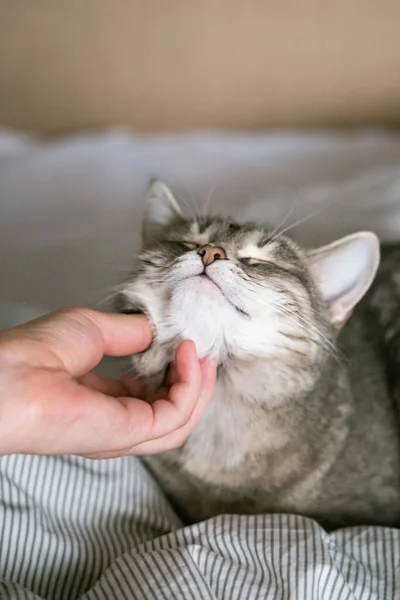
69	225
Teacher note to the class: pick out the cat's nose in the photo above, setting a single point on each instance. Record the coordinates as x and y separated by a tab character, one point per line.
209	254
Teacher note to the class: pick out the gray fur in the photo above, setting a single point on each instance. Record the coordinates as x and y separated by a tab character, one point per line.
303	419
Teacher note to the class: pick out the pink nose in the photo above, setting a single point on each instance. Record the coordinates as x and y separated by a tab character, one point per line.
209	254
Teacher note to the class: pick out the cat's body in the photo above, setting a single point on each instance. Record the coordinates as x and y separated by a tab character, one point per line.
294	425
337	460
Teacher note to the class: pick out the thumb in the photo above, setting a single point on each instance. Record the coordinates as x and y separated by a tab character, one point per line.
78	338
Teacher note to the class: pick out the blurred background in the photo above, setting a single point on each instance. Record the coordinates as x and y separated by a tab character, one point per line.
262	109
229	64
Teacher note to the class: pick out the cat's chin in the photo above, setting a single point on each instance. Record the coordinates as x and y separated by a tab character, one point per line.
204	285
200	312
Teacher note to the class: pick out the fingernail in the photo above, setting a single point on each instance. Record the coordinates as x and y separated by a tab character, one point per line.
209	361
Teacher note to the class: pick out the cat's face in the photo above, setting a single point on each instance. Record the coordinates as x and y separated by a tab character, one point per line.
240	290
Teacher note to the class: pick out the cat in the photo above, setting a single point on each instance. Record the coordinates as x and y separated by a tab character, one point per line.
303	419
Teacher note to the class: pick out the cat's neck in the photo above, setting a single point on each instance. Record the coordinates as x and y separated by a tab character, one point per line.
272	383
263	409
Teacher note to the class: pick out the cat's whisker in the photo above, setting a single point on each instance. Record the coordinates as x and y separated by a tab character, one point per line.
285	311
288	313
157	242
285	219
293	225
328	344
208	200
117	269
192	213
193	208
304	219
104	296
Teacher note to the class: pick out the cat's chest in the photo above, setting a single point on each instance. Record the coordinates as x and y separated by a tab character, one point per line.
232	437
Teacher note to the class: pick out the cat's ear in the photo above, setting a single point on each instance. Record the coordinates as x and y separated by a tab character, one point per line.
161	209
343	272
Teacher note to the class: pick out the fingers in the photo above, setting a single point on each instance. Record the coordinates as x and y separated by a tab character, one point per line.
76	339
105	385
177	414
176	438
124	334
173	414
174	411
167	422
74	411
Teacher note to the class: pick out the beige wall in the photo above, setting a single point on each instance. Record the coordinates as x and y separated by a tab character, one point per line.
163	64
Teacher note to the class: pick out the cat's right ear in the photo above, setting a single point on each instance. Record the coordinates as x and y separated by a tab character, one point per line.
161	209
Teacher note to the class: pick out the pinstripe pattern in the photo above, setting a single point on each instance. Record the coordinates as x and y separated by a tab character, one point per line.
72	528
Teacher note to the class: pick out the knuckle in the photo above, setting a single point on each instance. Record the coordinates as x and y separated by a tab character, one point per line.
77	314
184	418
11	351
179	439
78	326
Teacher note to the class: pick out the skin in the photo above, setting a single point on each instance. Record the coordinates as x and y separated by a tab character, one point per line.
52	403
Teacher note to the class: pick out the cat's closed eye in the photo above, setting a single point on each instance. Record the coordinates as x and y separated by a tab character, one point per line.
248	260
186	244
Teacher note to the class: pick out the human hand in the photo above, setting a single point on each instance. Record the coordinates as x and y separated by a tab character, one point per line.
51	402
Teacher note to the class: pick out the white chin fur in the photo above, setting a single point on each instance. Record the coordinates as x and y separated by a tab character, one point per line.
195	308
200	312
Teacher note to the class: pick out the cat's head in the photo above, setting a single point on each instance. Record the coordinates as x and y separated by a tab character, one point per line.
241	290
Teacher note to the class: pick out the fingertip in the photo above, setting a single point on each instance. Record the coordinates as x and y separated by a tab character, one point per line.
187	346
143	329
209	370
209	362
186	361
208	381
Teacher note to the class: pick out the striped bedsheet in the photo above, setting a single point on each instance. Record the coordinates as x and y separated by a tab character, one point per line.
71	529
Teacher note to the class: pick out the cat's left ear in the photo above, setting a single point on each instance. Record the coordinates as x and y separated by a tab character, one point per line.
343	272
161	209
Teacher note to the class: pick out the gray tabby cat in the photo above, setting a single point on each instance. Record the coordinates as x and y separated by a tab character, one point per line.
302	420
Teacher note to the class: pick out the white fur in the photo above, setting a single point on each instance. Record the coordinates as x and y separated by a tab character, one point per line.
254	252
227	314
344	270
222	313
